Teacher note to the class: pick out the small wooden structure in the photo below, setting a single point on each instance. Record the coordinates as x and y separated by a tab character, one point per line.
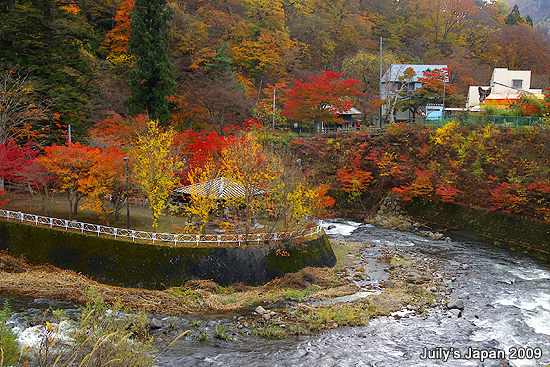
220	188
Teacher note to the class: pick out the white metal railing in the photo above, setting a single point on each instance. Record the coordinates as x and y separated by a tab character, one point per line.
166	238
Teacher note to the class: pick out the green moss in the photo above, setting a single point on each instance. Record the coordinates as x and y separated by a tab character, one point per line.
288	258
130	264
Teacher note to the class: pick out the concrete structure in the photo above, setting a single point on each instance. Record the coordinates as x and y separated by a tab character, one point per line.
390	82
140	265
505	87
434	112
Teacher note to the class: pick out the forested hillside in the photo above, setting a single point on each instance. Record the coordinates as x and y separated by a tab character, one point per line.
79	59
539	10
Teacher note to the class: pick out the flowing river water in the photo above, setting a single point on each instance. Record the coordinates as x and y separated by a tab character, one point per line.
505	321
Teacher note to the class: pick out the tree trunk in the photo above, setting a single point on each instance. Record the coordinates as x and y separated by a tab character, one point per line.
318	125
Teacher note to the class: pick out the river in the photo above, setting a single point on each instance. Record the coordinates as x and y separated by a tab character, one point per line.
506	317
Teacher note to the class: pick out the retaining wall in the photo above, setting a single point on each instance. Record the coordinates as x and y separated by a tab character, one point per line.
137	265
516	233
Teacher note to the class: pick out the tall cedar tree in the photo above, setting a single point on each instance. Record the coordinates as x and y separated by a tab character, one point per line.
45	39
153	79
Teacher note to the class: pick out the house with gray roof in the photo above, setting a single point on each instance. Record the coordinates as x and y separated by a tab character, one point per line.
391	85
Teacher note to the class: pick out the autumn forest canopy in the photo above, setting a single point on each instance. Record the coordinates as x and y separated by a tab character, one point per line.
188	80
218	62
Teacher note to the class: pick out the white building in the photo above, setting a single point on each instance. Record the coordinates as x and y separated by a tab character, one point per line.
390	82
504	88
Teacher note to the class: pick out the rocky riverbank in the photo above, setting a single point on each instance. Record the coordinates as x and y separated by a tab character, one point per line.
369	281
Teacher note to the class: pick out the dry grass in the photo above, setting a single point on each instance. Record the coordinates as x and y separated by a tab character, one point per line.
19	278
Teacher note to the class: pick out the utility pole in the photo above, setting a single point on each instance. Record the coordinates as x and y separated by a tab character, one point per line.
444	84
274	107
380	112
126	159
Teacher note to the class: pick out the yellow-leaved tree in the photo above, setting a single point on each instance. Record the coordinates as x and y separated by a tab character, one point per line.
155	167
203	199
246	164
291	198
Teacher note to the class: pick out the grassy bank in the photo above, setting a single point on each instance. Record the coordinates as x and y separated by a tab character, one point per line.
284	299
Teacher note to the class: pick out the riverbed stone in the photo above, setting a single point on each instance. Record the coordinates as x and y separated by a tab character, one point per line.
456	304
260	310
155	324
416	277
454	313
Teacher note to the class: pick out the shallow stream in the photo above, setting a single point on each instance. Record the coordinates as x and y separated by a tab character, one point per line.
506	315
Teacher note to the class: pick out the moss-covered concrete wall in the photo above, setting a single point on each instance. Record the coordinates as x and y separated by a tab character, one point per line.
514	232
131	264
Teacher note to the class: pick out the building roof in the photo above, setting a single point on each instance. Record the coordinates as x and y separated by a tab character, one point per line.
219	188
351	111
396	70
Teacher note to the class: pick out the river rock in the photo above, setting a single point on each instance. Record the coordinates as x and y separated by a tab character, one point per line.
454	312
416	277
155	324
457	304
260	310
388	283
434	236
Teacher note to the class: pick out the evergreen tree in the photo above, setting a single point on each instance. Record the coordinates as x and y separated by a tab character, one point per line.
221	63
46	40
514	17
153	79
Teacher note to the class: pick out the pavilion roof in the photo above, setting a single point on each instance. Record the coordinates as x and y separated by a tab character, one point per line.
219	188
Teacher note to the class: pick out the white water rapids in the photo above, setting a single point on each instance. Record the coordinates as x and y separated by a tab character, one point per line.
507	308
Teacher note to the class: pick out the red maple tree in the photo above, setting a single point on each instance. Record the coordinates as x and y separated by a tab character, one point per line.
321	99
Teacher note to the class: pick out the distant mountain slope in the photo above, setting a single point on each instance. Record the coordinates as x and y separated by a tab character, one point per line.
539	10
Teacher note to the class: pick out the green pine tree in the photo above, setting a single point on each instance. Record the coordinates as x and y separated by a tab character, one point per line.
42	39
153	80
514	17
221	63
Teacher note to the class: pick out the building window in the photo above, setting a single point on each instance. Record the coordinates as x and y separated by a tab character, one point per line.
517	83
